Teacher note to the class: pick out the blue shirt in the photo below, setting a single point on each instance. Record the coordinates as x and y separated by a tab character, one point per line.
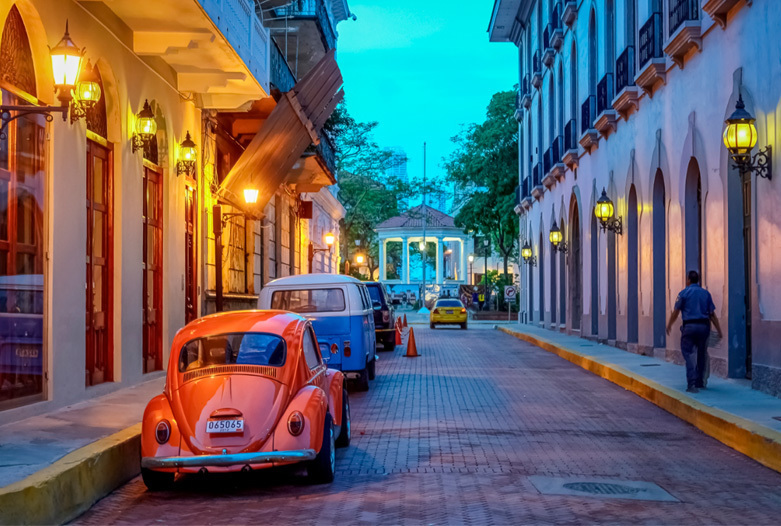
695	303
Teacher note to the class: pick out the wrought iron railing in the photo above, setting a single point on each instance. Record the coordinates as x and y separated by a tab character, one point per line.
525	85
650	40
681	11
557	149
536	175
588	112
525	190
310	10
625	69
546	162
605	93
281	76
570	135
537	62
327	152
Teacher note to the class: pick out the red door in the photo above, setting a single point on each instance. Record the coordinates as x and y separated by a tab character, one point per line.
153	270
99	271
190	284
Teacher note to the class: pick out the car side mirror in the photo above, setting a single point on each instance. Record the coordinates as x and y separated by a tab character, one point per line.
377	305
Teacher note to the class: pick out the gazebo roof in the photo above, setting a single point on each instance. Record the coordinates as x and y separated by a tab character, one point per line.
413	218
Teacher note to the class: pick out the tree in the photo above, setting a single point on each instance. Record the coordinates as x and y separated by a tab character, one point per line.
484	166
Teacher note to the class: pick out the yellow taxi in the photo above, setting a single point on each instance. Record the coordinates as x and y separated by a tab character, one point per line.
448	311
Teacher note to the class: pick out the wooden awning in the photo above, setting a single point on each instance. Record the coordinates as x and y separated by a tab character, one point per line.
290	128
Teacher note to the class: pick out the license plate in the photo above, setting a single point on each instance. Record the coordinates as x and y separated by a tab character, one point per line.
225	426
448	312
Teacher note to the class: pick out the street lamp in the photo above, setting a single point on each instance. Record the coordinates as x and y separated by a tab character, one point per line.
188	154
740	137
359	259
86	93
329	240
557	239
145	128
486	249
528	257
604	211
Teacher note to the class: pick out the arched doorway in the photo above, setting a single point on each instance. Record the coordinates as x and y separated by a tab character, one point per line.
659	259
612	313
632	266
575	267
563	277
693	218
553	296
594	276
541	267
530	272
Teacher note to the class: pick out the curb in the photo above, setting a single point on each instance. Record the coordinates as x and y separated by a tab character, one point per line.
70	486
753	440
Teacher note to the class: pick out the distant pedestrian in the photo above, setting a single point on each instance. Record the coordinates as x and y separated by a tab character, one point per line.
695	305
481	300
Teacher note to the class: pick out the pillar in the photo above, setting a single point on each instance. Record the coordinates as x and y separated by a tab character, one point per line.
463	273
405	260
440	261
383	276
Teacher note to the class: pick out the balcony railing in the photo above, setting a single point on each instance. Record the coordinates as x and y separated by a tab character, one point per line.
681	11
525	190
537	62
570	135
525	85
650	40
588	112
310	10
546	34
605	93
546	162
281	76
625	69
325	150
536	175
556	149
518	193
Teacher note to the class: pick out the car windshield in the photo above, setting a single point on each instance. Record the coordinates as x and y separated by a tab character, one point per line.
313	300
449	303
247	348
374	292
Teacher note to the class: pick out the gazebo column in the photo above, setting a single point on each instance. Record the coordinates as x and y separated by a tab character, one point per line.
383	270
405	260
440	261
463	273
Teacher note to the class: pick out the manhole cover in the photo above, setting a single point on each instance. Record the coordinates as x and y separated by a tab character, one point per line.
601	488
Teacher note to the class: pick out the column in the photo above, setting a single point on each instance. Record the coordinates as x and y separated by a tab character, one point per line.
405	260
463	273
382	260
440	261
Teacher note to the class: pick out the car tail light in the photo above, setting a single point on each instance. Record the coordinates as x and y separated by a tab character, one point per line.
163	432
334	349
295	423
463	311
347	350
385	316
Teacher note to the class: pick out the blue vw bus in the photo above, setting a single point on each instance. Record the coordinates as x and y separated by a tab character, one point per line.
342	315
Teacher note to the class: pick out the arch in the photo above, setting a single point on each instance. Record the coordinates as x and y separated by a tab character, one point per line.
38	45
575	268
573	98
610	36
633	285
592	53
111	100
541	270
659	229
563	270
553	284
97	116
692	229
16	56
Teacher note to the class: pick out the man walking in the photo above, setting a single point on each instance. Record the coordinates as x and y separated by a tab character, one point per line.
695	305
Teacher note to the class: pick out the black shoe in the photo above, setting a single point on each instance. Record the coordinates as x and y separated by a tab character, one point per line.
692	389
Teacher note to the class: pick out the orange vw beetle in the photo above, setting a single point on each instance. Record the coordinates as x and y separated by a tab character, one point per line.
245	390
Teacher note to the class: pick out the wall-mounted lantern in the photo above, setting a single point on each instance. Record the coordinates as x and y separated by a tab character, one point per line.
145	128
86	93
604	211
740	137
528	257
188	155
557	239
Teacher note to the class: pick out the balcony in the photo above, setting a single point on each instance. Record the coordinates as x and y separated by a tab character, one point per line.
282	78
549	53
685	30
537	188
557	33
558	168
606	115
548	179
589	136
627	93
518	193
570	13
537	69
570	153
719	9
652	65
518	108
526	95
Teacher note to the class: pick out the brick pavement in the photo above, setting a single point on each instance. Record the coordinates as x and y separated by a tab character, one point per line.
452	436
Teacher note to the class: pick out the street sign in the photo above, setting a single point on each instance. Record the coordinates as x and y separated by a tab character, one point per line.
509	293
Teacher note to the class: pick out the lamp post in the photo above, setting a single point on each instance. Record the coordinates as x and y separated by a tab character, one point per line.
329	239
604	210
557	239
486	245
218	223
471	259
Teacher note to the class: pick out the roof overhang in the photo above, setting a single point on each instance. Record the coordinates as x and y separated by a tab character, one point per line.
507	20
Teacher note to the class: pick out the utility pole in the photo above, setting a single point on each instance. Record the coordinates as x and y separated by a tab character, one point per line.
423	309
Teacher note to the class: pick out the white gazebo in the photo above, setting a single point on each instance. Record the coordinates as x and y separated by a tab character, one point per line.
408	228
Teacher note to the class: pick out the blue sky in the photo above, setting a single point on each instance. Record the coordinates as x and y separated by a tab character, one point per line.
421	68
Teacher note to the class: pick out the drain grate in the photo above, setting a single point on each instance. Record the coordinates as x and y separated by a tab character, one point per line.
602	488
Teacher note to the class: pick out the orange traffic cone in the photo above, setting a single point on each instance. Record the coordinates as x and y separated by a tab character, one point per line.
412	349
404	323
398	334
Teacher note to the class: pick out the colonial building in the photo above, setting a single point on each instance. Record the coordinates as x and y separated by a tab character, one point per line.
631	97
107	217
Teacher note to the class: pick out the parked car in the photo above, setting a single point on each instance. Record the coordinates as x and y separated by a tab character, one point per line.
448	311
384	315
341	312
245	390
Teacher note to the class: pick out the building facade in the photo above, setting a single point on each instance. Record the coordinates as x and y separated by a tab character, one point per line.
630	96
106	244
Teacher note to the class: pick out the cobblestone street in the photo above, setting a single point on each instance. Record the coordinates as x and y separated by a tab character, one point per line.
465	434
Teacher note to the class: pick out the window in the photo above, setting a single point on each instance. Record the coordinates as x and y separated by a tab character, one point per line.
367	302
315	300
249	348
310	348
375	294
449	303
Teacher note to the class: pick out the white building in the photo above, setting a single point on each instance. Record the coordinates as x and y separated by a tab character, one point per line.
631	96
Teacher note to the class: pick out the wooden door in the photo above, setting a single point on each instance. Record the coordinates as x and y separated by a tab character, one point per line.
153	270
190	259
99	265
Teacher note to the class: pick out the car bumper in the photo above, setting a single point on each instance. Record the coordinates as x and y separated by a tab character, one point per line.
449	319
228	459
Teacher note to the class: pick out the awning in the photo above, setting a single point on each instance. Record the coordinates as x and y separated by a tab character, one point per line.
290	128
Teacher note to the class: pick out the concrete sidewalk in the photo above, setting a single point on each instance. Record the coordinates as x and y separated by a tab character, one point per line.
56	465
729	410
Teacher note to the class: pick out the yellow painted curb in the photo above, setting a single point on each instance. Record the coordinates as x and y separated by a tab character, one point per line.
71	485
753	440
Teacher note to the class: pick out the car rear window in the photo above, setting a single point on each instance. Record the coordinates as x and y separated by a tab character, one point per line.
312	300
245	348
374	292
449	303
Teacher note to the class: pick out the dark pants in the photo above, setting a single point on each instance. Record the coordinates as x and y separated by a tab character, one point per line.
694	347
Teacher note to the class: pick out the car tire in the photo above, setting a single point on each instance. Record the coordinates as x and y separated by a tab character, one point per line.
362	384
372	369
430	325
345	433
463	326
157	480
321	470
